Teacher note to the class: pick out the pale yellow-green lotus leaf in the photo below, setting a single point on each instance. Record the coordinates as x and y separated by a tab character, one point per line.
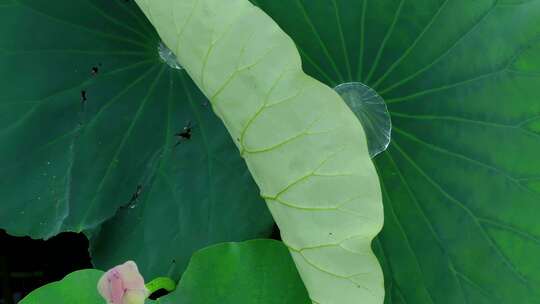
304	147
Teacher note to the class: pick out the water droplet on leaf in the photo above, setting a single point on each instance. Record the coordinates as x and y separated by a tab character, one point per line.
168	56
372	112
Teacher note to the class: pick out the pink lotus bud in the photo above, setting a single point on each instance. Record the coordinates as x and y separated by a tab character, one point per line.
123	285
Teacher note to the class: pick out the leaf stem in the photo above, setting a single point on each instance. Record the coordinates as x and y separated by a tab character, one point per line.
161	283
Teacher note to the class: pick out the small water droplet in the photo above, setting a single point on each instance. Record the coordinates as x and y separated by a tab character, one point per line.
168	56
48	163
372	112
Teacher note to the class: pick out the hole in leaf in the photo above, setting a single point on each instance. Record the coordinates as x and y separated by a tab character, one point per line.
134	197
185	134
83	96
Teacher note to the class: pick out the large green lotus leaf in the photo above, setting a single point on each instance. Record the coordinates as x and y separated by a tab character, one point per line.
461	177
69	165
253	272
77	287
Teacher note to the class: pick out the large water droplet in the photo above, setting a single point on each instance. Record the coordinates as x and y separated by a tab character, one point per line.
372	112
168	56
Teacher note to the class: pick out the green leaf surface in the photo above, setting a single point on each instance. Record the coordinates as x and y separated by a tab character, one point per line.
69	164
305	148
77	287
461	176
253	272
